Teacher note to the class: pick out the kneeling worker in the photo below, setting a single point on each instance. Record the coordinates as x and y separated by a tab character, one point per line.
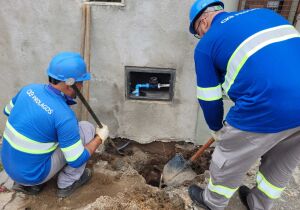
42	136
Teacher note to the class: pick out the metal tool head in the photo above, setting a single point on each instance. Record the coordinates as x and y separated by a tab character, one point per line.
177	170
120	149
123	146
177	163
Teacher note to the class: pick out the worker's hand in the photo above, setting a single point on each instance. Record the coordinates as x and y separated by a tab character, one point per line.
102	132
216	134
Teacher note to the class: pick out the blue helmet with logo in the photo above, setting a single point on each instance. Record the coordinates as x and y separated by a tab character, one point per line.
66	65
197	8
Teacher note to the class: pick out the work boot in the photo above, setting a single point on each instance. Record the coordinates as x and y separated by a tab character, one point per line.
196	194
243	194
28	190
85	177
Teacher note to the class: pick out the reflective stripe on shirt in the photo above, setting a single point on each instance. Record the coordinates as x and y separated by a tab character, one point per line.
253	44
74	151
209	93
24	144
9	107
267	188
221	190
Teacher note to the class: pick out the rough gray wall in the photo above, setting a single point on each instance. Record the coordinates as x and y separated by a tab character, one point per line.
143	33
31	33
147	34
152	34
298	23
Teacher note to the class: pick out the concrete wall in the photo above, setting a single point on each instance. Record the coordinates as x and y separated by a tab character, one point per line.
231	5
142	33
31	33
152	34
298	23
146	34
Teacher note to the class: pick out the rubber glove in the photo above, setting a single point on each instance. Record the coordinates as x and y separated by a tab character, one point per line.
102	132
216	134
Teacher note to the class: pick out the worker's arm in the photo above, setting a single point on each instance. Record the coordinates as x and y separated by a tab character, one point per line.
70	143
209	91
213	113
100	138
93	144
9	107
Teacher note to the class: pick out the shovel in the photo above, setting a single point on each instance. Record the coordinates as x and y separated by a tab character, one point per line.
72	83
178	170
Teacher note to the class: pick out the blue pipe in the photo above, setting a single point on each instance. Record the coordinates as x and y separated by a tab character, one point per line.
136	92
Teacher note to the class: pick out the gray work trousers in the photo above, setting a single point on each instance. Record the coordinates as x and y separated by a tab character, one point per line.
68	175
237	151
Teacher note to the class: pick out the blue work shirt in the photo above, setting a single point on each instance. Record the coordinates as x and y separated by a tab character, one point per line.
253	57
39	116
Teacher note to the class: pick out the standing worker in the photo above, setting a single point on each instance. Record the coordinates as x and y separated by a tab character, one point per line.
252	56
42	135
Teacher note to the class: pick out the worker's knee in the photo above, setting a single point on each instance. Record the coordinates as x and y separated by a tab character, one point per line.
85	124
87	131
228	167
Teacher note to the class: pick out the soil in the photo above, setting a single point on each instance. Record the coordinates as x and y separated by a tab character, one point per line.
130	181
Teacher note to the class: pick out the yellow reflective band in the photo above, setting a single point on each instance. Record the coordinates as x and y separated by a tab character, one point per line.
209	93
252	45
66	149
9	107
75	157
26	150
24	144
7	110
74	151
221	190
267	188
8	125
11	104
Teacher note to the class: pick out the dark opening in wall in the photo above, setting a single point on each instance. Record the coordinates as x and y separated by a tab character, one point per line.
143	83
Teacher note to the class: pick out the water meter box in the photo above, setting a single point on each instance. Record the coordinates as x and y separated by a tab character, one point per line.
145	83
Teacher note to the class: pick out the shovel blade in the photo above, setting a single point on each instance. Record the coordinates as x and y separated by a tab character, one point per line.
177	170
176	164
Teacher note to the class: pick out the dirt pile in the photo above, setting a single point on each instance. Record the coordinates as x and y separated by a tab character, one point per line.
123	182
130	182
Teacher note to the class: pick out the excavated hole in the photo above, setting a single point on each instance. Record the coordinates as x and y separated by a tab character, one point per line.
117	180
157	155
152	173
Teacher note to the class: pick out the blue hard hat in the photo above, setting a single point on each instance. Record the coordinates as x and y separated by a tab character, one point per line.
197	8
66	65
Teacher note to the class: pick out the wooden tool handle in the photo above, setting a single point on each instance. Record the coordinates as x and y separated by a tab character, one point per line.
88	107
202	149
86	104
